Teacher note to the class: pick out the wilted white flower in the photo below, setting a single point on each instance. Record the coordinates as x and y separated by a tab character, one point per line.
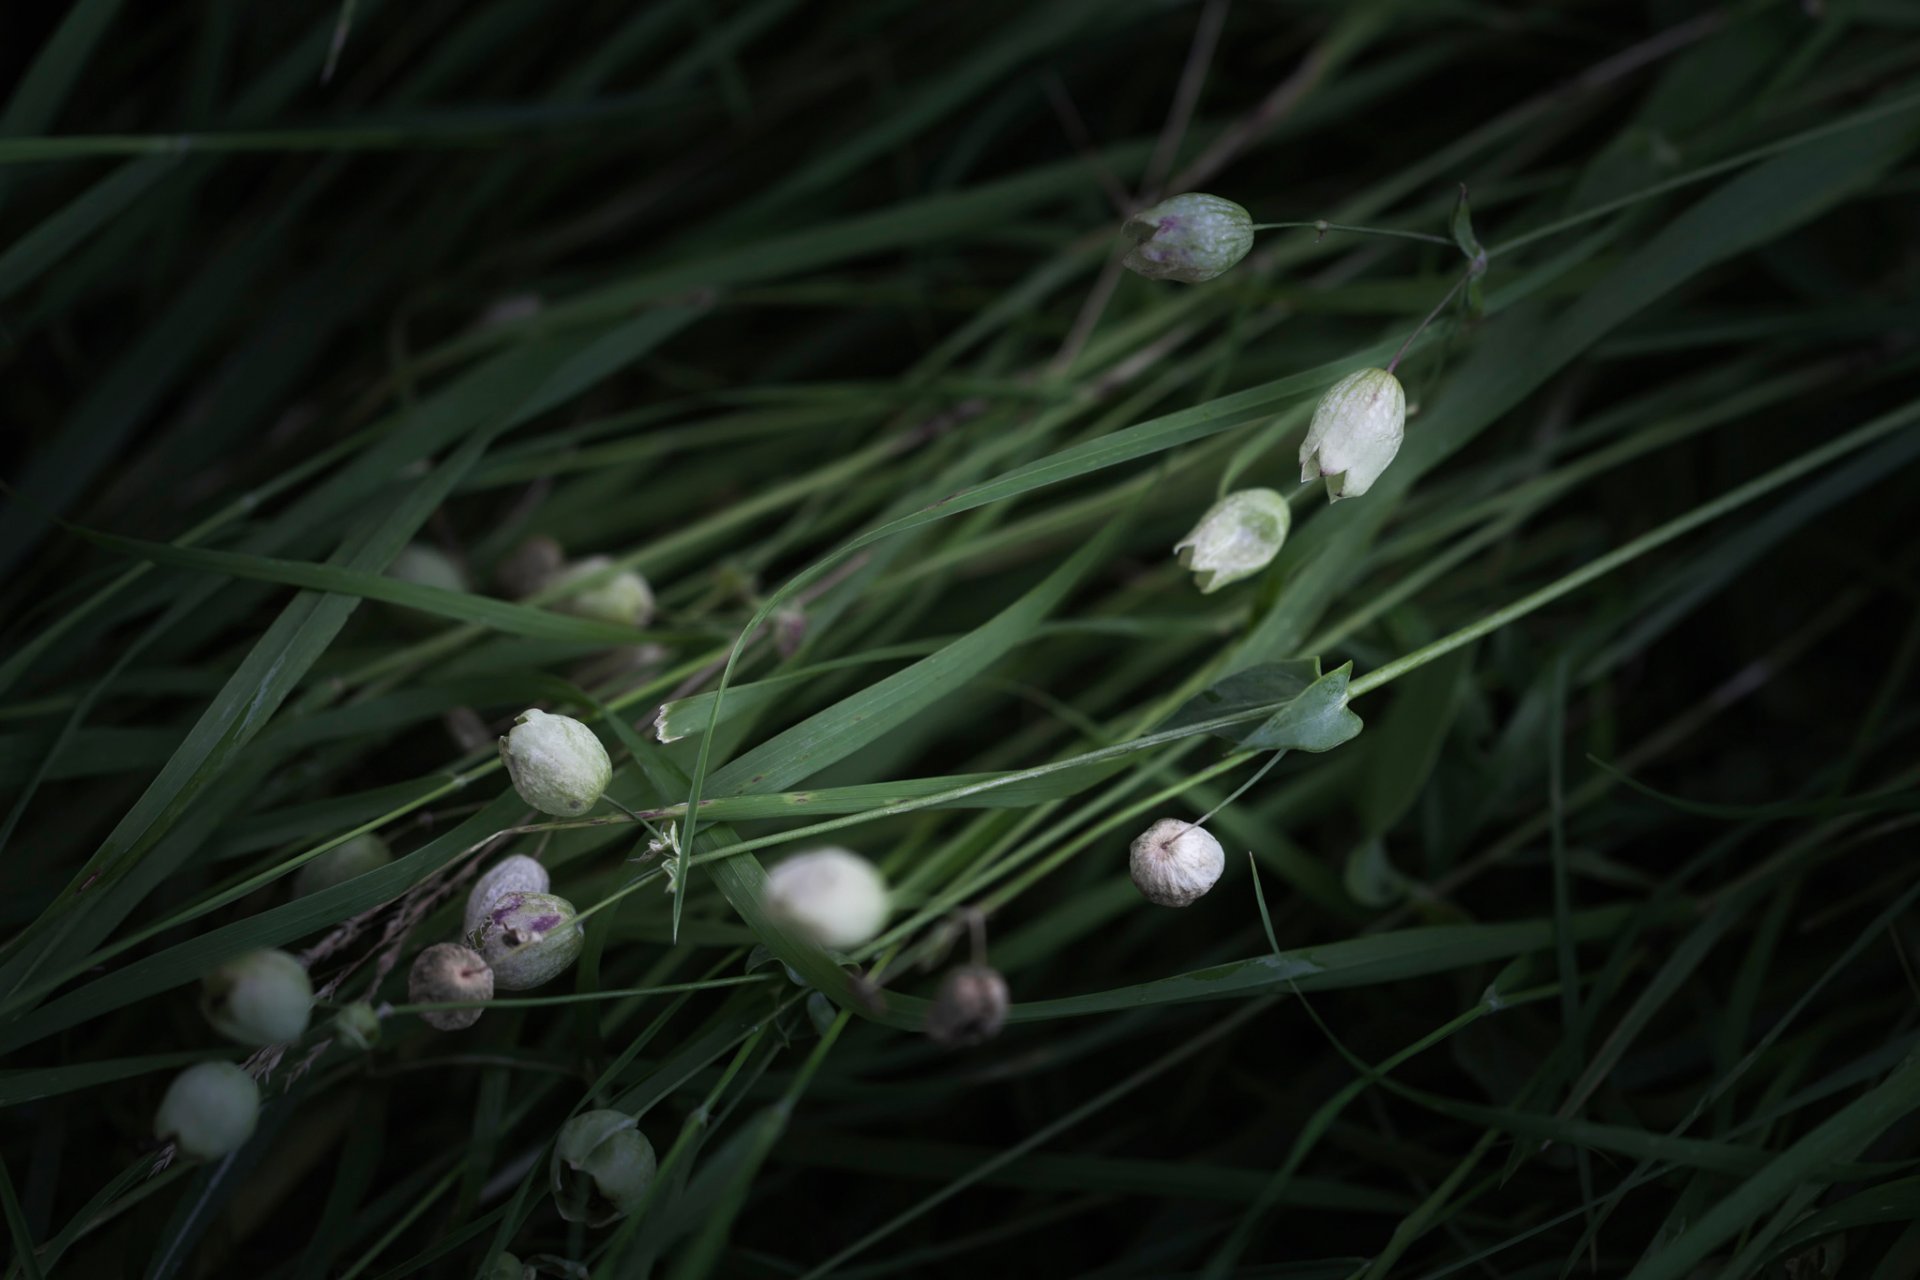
1357	428
1176	862
1239	536
209	1110
832	896
624	598
557	764
1189	238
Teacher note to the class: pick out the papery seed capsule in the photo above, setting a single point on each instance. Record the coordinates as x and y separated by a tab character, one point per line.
1356	431
363	853
601	1167
1174	863
557	764
1189	238
514	874
262	997
834	897
209	1110
969	1008
1237	538
448	973
529	938
624	597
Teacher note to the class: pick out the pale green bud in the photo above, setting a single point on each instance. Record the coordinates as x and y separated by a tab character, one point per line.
1237	538
831	896
357	1026
364	853
1357	428
601	1168
427	566
505	1266
448	973
263	997
1189	238
624	598
529	938
209	1110
1174	863
557	764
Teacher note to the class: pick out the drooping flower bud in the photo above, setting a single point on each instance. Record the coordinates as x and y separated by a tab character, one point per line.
424	565
529	938
209	1110
624	598
357	1026
262	997
557	764
601	1168
448	973
969	1008
1357	428
1237	538
832	896
516	873
1175	862
365	852
1189	238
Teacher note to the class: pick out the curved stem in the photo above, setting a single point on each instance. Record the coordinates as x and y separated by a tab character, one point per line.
1322	227
1432	315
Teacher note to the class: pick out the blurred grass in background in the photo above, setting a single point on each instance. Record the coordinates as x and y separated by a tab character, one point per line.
809	313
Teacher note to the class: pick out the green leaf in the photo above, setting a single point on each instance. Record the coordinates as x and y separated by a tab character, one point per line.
1311	715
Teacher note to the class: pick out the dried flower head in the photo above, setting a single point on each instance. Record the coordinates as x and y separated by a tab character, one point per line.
557	764
1189	238
1237	538
1356	430
262	997
969	1008
832	896
531	568
1174	863
448	973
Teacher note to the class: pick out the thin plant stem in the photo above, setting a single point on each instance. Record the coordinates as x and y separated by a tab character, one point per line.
1322	226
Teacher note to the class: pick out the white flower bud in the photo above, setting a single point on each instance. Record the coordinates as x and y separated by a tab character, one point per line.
1189	238
1237	538
624	598
557	764
209	1110
601	1168
427	566
529	938
1357	428
515	874
364	853
448	973
1175	862
832	896
969	1008
263	997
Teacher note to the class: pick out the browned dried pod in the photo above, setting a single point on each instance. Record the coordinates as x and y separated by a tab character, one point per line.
530	568
969	1008
445	973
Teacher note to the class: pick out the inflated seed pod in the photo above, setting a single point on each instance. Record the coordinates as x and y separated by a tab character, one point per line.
209	1110
427	566
832	896
602	1166
1189	238
624	597
529	938
1174	862
446	973
262	997
357	1026
556	763
365	852
1356	431
1237	538
514	874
